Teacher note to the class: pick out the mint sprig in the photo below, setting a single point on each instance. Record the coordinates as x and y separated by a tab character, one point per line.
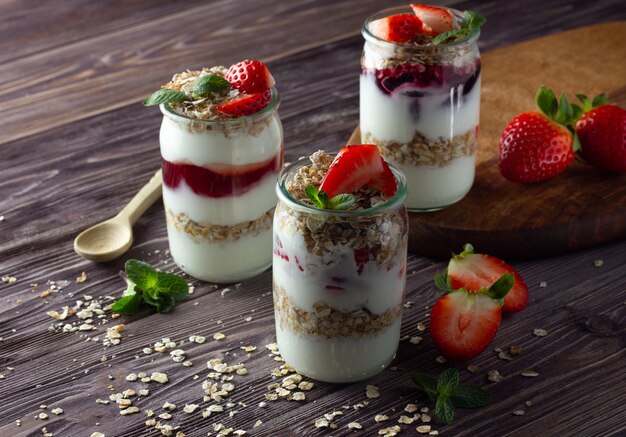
146	285
448	393
165	95
210	84
320	199
471	21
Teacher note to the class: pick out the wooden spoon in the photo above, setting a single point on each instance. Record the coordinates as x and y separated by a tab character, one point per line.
111	238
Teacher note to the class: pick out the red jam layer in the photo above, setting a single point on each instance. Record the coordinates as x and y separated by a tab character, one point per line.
218	180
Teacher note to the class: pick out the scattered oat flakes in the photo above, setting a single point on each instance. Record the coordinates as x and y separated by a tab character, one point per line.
321	423
257	423
129	410
43	416
97	434
159	377
504	356
406	420
390	431
371	392
169	406
197	339
131	377
410	408
421	327
426	418
102	401
440	360
543	284
529	373
165	416
57	411
248	348
598	263
415	340
515	350
538	332
518	412
381	417
473	368
354	425
81	278
423	429
219	336
494	376
9	279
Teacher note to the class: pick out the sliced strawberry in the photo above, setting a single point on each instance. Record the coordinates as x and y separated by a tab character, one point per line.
473	271
463	323
399	28
250	77
602	133
434	20
356	166
246	104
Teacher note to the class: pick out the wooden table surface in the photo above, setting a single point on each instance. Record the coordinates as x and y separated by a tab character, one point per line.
77	144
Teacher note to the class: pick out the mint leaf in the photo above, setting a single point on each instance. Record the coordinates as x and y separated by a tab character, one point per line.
159	289
313	194
471	22
546	101
467	396
447	382
163	302
427	384
210	84
341	202
444	410
128	305
165	95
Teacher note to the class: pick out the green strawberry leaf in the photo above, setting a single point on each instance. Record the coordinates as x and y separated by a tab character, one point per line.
585	101
546	102
599	100
467	396
578	111
501	287
443	281
565	113
576	146
427	384
447	382
210	84
444	410
165	95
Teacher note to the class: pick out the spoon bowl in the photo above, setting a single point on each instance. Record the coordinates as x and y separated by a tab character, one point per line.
113	237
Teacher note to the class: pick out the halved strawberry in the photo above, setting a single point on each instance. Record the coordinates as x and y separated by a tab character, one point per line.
472	271
434	20
246	104
250	77
463	323
356	166
399	28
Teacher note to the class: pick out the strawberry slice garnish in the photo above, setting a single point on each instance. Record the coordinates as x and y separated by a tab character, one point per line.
246	104
399	28
356	166
250	77
434	20
463	323
474	271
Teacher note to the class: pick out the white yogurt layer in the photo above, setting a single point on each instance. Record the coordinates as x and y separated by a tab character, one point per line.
223	261
228	210
339	359
388	117
433	187
307	278
181	145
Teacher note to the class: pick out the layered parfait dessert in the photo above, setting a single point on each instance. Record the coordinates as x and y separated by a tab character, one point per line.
420	98
339	270
221	148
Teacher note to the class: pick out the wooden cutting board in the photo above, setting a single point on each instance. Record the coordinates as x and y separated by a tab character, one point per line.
582	207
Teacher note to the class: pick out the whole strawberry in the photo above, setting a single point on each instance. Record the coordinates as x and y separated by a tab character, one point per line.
602	134
536	146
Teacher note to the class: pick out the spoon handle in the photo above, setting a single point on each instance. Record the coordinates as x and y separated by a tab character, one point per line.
148	194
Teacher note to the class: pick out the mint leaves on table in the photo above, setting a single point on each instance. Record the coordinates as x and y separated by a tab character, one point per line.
165	95
145	285
448	393
321	200
471	21
210	84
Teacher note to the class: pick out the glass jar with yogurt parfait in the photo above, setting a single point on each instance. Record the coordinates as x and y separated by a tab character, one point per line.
219	177
420	104
339	278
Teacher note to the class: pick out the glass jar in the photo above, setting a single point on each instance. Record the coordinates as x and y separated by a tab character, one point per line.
339	280
420	105
218	190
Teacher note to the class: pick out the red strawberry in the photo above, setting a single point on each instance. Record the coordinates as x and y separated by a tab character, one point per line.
434	20
399	28
246	104
250	77
463	323
537	146
473	271
356	166
602	134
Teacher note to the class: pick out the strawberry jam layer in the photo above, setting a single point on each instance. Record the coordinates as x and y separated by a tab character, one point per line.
426	76
218	180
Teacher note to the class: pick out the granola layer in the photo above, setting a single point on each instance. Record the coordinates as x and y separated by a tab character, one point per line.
422	151
211	233
329	322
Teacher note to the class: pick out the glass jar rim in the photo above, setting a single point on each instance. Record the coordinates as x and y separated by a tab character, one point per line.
369	36
271	107
285	196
